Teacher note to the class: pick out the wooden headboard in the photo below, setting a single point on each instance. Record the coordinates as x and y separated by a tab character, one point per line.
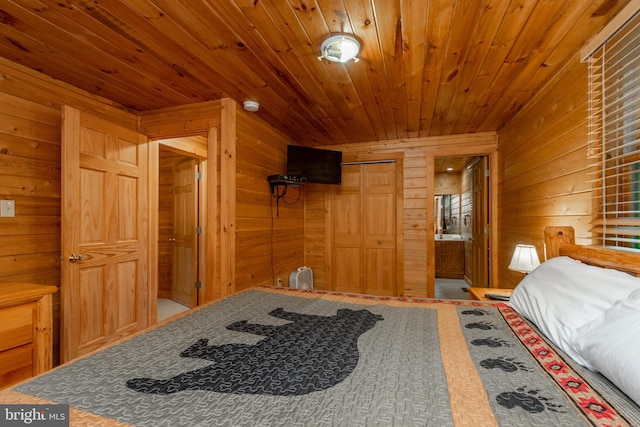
561	241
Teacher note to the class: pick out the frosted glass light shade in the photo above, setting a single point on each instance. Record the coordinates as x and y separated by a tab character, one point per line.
341	48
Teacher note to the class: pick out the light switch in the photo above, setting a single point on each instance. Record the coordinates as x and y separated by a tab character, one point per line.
7	208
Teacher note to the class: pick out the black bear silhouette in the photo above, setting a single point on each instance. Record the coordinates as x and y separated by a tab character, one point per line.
309	354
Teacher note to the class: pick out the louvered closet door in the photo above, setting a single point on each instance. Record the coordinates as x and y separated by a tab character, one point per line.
365	230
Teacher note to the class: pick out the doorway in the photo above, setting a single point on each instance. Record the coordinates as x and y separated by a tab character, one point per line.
180	237
461	222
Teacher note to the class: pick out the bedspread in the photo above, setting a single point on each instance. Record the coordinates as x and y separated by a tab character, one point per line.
274	357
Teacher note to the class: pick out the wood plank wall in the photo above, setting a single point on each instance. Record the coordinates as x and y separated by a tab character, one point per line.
30	119
544	170
447	183
418	209
30	150
269	233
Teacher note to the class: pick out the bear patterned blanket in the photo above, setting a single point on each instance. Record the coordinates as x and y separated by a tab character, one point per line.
279	357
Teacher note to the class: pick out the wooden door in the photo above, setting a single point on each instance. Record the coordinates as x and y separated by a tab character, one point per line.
104	232
365	230
347	263
379	195
185	238
480	224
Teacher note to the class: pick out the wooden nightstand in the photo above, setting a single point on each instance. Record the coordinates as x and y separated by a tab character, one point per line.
480	294
25	331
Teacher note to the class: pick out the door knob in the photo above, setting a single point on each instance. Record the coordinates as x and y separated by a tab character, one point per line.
76	257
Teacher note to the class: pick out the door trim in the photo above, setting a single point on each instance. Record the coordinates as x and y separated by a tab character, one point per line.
178	146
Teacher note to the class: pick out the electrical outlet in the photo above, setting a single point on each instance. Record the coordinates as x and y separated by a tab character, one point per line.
7	208
279	282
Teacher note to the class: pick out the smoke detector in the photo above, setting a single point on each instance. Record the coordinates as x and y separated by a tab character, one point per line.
251	106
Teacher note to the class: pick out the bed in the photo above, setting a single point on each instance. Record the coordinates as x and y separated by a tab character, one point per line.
273	356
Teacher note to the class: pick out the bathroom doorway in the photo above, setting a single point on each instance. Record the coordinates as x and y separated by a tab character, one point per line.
461	223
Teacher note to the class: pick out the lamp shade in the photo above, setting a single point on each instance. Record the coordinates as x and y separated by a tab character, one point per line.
525	259
340	48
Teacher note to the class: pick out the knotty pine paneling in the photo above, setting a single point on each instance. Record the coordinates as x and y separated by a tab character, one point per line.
544	169
428	68
315	231
30	137
269	233
447	183
30	175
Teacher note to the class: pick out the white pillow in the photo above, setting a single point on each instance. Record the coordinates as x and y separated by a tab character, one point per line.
563	294
611	344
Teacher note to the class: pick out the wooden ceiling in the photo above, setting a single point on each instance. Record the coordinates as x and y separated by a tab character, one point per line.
427	67
451	164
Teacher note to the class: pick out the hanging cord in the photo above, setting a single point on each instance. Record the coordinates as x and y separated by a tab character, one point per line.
294	201
273	272
277	195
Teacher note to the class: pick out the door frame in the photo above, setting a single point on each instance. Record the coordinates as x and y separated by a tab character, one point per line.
492	157
206	245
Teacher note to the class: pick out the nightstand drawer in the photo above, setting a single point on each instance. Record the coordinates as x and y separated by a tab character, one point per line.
26	321
16	365
16	326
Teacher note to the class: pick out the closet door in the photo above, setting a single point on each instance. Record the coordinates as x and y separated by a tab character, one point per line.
379	238
365	230
347	262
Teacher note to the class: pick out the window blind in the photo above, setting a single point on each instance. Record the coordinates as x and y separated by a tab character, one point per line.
614	137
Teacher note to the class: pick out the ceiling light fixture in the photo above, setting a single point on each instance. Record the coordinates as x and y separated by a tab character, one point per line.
340	48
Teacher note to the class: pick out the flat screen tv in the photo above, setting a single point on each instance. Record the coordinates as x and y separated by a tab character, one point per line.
315	164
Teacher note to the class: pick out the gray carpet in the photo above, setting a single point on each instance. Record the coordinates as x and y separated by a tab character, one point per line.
451	289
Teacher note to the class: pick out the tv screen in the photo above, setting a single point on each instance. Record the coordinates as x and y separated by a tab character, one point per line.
314	164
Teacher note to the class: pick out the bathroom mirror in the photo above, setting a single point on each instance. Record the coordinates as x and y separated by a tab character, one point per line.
447	207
